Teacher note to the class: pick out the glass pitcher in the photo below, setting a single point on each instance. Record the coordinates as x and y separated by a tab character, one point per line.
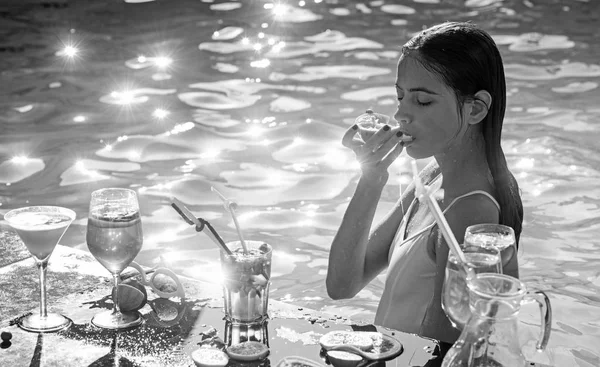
490	338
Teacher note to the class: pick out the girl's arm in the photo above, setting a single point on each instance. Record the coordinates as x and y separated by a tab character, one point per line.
358	255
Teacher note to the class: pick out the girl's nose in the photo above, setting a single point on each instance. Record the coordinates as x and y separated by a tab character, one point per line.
402	116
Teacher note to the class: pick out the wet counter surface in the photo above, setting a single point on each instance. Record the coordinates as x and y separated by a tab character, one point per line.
172	330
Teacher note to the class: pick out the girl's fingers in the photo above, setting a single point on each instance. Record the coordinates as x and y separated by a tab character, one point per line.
391	157
379	138
347	139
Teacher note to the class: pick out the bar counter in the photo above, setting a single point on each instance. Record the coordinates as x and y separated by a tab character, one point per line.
79	287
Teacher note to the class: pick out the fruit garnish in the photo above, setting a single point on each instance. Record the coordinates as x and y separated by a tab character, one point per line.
297	361
248	351
210	357
132	295
382	346
343	359
358	339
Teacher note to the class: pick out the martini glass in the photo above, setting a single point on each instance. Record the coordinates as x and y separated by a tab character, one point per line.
114	237
40	229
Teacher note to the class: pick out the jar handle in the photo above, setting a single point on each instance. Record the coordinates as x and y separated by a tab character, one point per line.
546	316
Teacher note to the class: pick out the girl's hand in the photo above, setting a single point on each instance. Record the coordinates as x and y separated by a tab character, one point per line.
378	152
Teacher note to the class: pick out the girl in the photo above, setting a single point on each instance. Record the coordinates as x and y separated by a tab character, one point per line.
451	94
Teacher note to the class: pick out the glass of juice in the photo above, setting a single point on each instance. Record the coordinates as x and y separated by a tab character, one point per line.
114	236
455	294
246	281
40	229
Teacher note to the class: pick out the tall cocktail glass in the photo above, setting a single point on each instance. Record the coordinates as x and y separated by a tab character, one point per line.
40	229
114	237
246	281
455	294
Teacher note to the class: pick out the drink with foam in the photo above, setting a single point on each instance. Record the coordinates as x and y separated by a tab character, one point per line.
40	227
246	281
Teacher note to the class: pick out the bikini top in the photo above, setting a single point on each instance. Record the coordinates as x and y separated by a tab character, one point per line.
407	302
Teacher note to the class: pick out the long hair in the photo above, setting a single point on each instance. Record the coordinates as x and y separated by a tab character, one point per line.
467	59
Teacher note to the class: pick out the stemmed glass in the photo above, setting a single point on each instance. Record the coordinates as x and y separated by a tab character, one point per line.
40	229
494	235
455	295
114	237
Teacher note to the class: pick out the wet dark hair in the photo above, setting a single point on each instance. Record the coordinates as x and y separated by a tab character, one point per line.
467	60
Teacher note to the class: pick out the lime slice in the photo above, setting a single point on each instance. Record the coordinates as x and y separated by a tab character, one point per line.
298	361
339	358
358	339
210	357
248	351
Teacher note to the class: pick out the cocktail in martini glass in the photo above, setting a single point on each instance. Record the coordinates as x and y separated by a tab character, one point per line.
40	229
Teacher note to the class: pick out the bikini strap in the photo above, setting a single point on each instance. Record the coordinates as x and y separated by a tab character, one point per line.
423	230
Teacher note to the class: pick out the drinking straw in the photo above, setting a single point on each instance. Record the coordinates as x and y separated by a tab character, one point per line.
200	223
230	206
423	194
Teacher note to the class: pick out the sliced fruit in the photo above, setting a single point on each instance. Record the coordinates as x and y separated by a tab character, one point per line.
248	351
382	347
297	361
132	295
210	357
358	339
385	347
343	359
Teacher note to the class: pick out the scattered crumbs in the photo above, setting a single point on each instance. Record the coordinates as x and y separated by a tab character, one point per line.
307	338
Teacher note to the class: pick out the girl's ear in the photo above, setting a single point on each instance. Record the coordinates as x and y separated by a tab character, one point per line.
479	107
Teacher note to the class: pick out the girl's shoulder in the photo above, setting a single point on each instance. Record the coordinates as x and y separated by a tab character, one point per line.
475	205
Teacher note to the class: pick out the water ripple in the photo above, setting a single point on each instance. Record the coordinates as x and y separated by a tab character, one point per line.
570	69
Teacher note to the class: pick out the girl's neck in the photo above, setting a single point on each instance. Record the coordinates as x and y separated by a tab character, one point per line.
464	168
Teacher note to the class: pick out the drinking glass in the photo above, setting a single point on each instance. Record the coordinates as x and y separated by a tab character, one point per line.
40	229
246	281
494	235
114	237
455	294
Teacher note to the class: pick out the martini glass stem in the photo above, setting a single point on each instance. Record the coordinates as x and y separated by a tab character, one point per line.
116	308
42	265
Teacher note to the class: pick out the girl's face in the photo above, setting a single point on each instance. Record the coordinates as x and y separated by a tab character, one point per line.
427	110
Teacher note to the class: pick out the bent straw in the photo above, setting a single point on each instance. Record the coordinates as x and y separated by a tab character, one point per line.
191	219
424	194
230	206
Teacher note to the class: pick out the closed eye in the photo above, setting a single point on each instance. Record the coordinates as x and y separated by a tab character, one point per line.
427	103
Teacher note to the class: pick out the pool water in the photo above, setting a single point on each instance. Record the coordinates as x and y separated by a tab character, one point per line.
170	98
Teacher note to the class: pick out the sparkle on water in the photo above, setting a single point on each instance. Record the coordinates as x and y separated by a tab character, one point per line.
252	97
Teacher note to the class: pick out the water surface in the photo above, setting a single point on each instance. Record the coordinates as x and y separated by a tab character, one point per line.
171	98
